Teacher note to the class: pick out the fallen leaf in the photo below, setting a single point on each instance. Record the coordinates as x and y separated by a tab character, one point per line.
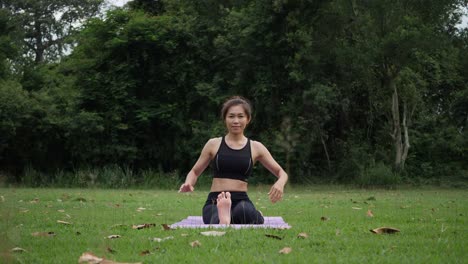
356	208
35	200
18	249
337	232
285	250
145	252
46	234
118	225
213	233
63	222
61	211
113	236
24	211
184	235
274	236
166	227
143	226
384	230
195	243
369	213
303	235
3	198
324	218
90	258
159	214
157	239
141	209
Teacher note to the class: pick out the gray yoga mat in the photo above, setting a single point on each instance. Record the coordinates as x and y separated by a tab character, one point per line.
197	222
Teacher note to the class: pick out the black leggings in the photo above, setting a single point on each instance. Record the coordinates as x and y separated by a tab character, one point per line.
242	210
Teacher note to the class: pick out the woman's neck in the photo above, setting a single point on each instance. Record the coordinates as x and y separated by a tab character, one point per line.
235	137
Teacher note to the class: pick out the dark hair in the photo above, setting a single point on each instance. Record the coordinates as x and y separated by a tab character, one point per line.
236	100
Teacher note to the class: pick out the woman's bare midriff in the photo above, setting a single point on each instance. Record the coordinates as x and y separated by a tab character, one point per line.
222	184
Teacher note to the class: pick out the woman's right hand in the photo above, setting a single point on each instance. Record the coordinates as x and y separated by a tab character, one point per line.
186	187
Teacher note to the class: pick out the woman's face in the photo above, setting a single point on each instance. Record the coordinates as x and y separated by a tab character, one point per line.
236	119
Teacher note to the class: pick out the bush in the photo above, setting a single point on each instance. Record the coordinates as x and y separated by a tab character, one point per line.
378	175
159	179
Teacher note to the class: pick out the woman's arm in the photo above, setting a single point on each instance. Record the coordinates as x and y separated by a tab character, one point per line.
201	164
264	156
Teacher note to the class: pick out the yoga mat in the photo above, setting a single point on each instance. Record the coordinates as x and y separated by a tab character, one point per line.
197	222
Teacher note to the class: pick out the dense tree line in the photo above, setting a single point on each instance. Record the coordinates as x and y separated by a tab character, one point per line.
343	90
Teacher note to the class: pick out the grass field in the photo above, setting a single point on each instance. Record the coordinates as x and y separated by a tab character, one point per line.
432	222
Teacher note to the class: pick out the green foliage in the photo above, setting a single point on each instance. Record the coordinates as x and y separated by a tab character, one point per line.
378	175
48	25
142	87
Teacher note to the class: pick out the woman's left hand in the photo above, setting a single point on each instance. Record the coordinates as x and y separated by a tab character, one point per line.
276	192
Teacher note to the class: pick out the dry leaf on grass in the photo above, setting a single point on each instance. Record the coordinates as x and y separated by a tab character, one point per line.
303	235
143	226
63	222
141	209
195	243
3	198
384	230
113	236
356	208
118	225
337	232
166	227
157	239
324	218
18	249
184	235
90	258
369	213
46	234
61	211
213	233
145	252
274	236
285	250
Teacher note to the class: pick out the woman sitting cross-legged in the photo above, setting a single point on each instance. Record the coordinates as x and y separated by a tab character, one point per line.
233	157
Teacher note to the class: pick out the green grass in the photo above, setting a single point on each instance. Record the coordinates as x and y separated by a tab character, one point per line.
432	222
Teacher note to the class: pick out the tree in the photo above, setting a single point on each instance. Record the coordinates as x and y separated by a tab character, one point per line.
47	24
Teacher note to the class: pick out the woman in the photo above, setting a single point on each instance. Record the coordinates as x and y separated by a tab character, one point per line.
233	157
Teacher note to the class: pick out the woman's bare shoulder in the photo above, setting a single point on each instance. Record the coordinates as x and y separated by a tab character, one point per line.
257	144
213	143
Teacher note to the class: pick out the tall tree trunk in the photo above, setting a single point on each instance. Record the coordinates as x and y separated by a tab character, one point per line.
406	146
39	48
326	151
396	135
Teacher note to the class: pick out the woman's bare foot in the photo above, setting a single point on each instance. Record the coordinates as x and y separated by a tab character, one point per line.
224	208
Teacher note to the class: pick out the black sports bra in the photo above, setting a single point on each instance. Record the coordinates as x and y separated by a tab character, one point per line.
233	163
